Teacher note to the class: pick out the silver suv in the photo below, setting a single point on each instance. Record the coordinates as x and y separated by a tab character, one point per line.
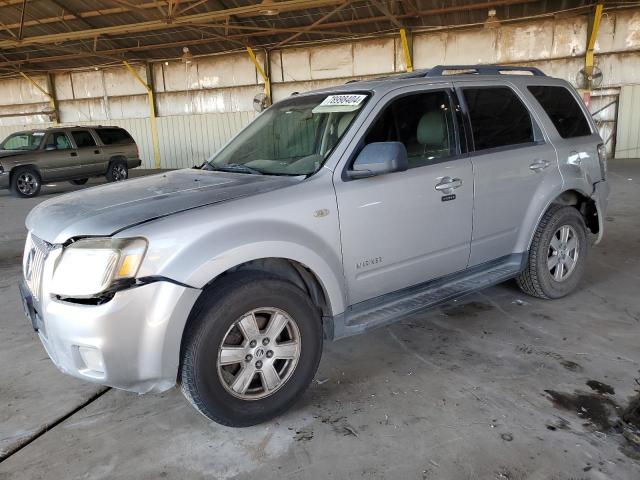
27	159
334	212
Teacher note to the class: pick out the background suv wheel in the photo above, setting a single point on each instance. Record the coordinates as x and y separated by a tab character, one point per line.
250	349
117	171
26	182
557	254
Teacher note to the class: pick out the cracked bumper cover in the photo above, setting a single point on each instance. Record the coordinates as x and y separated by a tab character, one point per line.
136	335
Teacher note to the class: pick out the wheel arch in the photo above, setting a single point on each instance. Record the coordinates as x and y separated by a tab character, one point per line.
16	168
574	198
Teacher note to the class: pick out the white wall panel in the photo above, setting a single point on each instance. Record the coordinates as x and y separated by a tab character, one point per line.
628	128
331	61
119	81
373	57
87	84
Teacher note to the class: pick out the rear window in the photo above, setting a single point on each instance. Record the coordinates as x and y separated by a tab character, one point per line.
563	110
498	117
114	136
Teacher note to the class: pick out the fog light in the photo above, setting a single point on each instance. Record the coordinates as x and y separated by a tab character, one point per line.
92	359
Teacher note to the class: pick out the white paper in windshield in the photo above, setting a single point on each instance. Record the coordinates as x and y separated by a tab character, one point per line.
340	103
38	134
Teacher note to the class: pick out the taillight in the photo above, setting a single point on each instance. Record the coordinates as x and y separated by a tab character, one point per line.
602	158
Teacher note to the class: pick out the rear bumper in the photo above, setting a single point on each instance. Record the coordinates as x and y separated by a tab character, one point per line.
134	163
4	180
601	197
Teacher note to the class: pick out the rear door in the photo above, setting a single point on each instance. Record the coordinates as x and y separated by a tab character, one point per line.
405	228
511	160
59	159
92	157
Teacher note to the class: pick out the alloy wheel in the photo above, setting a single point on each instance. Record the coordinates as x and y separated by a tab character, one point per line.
563	253
27	183
119	172
259	353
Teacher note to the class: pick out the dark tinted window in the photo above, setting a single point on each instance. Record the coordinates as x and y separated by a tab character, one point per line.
498	117
114	136
83	138
423	122
563	110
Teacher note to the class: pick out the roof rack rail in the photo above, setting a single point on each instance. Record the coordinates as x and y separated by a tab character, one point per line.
439	70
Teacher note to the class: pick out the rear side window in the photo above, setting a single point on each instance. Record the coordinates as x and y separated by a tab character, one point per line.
114	136
498	117
563	110
83	138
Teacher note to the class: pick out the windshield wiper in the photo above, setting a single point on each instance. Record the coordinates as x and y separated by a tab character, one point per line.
233	167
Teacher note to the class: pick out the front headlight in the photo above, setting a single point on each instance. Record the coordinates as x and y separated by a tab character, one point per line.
92	266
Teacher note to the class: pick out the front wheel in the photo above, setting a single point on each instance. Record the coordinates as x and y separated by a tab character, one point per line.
250	349
558	253
26	182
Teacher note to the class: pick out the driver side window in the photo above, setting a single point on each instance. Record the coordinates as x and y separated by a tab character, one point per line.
58	140
423	122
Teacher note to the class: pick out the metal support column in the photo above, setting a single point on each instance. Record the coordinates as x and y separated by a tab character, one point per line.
152	112
263	74
593	35
406	50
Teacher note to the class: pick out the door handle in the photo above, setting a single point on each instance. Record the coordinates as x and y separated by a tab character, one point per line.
448	184
539	165
74	154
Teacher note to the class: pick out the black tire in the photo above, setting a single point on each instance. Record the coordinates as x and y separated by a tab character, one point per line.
117	171
25	182
536	279
80	181
208	326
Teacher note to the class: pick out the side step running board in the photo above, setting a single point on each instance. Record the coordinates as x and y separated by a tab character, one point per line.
395	306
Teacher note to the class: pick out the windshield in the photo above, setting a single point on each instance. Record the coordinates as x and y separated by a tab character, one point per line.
292	137
23	141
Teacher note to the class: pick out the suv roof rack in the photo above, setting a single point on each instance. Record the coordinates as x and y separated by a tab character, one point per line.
439	70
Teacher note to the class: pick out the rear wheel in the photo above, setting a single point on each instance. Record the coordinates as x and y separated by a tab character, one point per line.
26	182
250	349
557	256
80	181
117	171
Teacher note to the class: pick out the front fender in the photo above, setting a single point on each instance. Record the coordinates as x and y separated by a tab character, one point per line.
189	249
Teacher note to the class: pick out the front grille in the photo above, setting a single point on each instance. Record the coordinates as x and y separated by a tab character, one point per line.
36	252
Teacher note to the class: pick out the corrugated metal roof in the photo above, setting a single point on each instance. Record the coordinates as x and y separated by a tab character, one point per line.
144	29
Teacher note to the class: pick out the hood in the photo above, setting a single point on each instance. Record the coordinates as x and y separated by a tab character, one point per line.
106	209
13	153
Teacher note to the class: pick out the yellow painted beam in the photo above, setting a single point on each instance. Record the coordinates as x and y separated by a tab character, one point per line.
405	49
52	100
152	113
263	74
593	35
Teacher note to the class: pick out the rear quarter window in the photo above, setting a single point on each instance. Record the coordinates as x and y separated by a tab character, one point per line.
114	136
563	110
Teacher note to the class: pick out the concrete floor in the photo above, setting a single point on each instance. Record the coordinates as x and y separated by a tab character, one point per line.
492	386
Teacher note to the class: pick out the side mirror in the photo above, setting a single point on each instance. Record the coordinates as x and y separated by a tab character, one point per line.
51	146
379	158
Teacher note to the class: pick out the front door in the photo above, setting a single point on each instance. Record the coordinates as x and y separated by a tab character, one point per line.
405	228
60	158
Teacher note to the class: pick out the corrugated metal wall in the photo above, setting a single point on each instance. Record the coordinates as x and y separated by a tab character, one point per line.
185	140
628	130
